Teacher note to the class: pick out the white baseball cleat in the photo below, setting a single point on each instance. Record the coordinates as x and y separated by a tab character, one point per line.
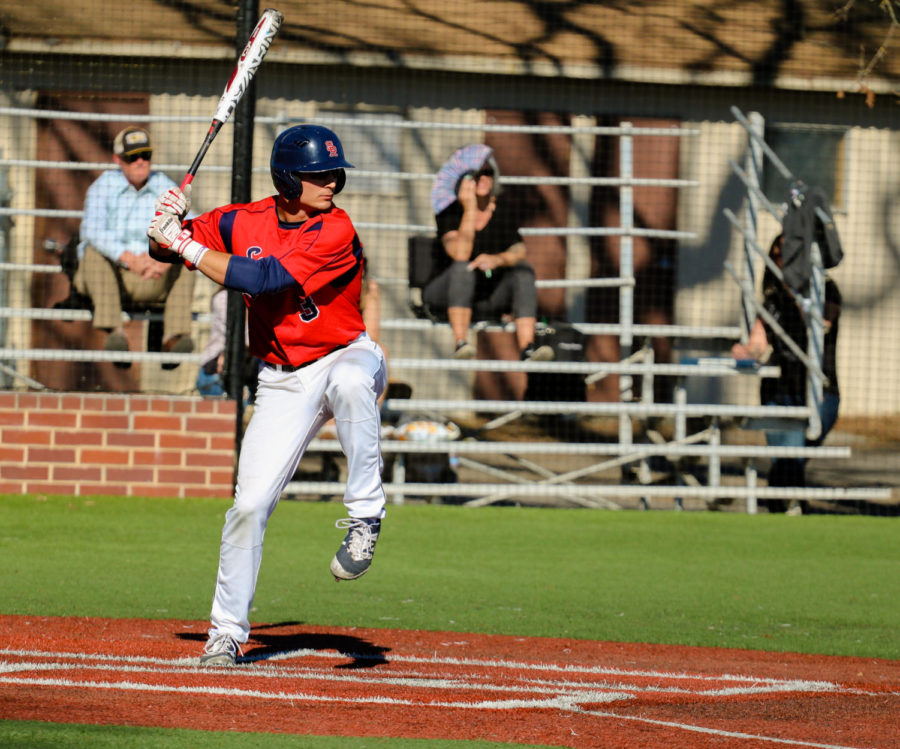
354	557
220	650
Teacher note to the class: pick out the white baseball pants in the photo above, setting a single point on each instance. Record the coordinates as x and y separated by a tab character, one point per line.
290	409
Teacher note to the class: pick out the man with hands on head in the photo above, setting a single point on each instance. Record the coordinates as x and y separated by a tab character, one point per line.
482	271
298	261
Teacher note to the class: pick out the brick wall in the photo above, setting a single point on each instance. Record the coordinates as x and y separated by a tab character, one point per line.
128	445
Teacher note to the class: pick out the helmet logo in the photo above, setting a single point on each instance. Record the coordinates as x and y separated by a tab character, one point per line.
332	149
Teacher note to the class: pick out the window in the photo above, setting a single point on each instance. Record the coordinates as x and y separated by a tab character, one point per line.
814	154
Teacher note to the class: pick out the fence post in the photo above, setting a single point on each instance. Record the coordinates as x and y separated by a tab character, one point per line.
626	271
241	176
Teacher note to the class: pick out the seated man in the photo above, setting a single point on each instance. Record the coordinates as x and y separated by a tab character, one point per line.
115	268
483	267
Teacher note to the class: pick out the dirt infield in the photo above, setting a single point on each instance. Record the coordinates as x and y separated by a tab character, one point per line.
303	679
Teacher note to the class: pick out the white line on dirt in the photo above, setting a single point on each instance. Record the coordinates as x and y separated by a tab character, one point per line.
395	659
717	731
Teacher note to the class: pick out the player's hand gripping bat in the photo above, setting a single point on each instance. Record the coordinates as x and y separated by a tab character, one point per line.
247	64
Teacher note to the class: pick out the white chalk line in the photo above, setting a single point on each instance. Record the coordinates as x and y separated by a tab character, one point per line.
560	702
717	731
427	680
566	695
435	660
586	691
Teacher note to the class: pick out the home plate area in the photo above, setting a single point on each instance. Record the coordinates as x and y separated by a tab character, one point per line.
302	679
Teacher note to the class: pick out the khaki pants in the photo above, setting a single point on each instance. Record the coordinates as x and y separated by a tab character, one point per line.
111	288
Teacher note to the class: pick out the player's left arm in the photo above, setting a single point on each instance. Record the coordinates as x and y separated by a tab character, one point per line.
242	274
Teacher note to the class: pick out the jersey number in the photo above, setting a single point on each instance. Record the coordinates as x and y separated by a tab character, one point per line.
308	309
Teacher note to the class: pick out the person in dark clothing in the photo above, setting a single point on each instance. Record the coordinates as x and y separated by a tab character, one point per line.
790	389
482	271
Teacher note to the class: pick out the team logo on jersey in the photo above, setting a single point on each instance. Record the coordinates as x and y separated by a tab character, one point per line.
254	252
332	149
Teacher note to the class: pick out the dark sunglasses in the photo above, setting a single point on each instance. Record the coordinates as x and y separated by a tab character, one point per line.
135	156
486	172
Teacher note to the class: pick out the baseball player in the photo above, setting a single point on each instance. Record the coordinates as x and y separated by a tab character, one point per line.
299	262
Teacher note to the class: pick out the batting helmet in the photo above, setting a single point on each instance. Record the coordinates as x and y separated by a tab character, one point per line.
306	149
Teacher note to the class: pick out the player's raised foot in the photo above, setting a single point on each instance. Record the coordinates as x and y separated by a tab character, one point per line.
354	556
220	650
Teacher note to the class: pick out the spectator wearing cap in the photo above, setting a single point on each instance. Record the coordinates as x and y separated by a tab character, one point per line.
115	268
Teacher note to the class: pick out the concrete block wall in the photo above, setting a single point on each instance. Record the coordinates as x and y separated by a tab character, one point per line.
119	445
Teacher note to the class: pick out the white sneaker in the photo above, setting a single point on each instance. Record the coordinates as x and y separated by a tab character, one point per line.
354	557
464	350
220	650
541	353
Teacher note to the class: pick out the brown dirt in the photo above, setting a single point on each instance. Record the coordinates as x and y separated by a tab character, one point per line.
302	679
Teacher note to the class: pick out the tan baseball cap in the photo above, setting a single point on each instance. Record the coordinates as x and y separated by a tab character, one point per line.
132	140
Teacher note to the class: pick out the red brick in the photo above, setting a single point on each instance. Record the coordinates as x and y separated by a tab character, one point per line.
158	457
131	475
221	477
25	472
12	487
77	473
54	487
94	402
205	406
105	457
27	401
208	424
72	402
61	419
156	422
131	439
181	476
141	404
116	404
79	437
209	459
224	407
12	436
48	402
183	441
8	399
50	455
105	421
12	418
222	442
184	406
12	454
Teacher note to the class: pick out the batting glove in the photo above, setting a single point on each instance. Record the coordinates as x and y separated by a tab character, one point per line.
175	201
165	229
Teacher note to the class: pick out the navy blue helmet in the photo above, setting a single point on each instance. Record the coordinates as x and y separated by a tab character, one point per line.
306	149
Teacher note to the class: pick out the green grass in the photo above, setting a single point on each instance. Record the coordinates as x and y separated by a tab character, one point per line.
34	735
817	584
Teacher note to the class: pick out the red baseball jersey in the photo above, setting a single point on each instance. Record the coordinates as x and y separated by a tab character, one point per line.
325	257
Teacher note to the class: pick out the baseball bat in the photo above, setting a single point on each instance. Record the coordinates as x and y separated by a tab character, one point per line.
248	63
